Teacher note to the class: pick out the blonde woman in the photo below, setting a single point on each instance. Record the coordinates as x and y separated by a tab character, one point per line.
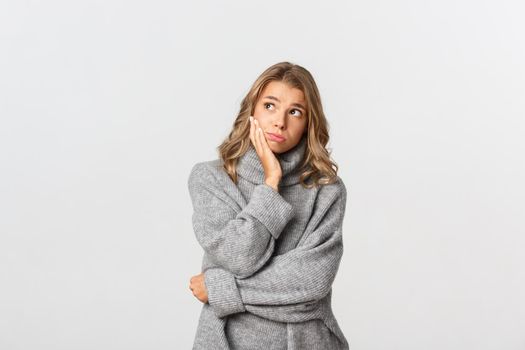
268	214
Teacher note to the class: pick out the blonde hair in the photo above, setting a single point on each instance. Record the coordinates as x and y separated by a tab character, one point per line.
317	167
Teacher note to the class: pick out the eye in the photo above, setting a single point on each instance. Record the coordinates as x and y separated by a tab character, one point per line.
300	113
267	103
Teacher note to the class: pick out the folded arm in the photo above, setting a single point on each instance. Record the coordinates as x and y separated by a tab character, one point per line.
240	241
290	285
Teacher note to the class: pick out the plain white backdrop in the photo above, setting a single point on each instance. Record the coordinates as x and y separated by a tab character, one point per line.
106	105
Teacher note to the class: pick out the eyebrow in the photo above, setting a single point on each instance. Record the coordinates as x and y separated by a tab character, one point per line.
293	104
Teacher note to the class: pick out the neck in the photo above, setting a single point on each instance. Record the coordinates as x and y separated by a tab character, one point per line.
250	168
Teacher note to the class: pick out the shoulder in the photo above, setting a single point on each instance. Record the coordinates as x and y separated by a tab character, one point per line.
330	200
210	176
330	205
205	171
335	191
208	183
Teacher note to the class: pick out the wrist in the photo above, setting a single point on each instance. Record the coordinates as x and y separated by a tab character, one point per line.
273	183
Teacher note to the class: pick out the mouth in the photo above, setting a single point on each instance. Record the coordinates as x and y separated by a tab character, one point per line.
276	138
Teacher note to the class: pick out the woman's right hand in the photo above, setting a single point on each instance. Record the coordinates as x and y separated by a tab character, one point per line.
270	163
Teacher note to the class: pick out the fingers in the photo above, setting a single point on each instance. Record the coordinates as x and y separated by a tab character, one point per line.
258	137
198	292
193	281
252	130
196	281
264	143
254	134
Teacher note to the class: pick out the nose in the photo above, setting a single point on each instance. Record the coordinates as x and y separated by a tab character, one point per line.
280	121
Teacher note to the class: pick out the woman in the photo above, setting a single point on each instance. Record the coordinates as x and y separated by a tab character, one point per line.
268	214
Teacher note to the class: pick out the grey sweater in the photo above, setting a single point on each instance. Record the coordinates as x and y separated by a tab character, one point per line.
270	257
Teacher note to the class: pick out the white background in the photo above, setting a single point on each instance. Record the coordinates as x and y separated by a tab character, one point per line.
106	105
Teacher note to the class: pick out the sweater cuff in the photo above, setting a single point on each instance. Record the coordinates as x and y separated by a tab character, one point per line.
270	208
223	295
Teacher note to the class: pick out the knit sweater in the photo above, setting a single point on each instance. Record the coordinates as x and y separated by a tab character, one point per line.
270	257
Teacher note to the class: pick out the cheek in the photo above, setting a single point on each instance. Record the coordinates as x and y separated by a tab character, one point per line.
300	127
258	112
261	114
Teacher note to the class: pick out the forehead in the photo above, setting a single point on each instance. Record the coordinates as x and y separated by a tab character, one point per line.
284	92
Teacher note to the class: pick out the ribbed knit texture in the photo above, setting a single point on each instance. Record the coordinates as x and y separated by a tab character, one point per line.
270	257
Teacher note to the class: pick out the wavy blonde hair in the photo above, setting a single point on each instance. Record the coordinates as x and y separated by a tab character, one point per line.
317	167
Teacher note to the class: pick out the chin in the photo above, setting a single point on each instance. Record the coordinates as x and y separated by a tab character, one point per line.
278	148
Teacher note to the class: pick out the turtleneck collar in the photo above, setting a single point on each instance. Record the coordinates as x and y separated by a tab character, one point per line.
250	168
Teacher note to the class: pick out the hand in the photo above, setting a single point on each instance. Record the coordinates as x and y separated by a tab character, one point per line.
270	163
198	287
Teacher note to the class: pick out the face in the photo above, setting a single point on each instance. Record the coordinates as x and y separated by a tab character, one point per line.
281	110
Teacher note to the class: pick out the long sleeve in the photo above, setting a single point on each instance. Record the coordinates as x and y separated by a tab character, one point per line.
240	241
293	283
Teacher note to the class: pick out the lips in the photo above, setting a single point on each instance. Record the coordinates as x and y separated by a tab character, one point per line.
276	137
